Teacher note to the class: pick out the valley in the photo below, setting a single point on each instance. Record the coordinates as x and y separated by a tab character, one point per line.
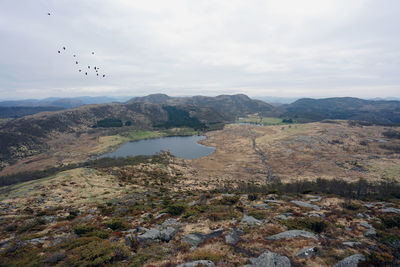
307	194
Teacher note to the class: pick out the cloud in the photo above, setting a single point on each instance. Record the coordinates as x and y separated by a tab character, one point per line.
258	47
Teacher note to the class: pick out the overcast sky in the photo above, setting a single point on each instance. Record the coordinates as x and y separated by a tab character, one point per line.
314	48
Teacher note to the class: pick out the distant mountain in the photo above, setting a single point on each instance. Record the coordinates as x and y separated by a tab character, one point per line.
62	102
275	100
346	108
16	112
228	106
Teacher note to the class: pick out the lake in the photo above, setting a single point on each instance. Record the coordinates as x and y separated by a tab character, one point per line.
180	146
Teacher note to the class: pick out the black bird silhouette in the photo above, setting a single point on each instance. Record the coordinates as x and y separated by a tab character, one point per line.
59	51
76	62
85	73
74	55
80	70
92	53
48	14
95	67
97	74
64	47
104	75
88	67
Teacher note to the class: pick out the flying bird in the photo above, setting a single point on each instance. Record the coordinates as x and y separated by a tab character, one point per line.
88	67
104	75
48	14
76	62
92	53
74	55
64	47
59	51
80	70
85	73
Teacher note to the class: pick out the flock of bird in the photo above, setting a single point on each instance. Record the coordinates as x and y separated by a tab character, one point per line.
82	69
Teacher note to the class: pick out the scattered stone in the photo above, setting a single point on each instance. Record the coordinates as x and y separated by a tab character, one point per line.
195	239
233	237
227	195
352	244
272	201
390	210
269	259
306	252
363	215
161	215
261	206
284	216
249	220
371	230
200	263
314	198
351	261
151	235
37	241
292	234
50	218
168	233
306	205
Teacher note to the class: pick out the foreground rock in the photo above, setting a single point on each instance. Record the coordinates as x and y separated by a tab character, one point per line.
306	252
202	263
269	259
250	220
390	210
306	205
292	234
195	239
233	237
351	261
371	230
164	232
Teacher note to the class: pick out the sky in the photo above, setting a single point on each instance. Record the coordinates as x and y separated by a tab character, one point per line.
285	48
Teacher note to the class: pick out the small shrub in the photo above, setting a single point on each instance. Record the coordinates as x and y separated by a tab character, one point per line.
390	221
252	197
89	231
259	215
316	225
227	200
176	208
116	224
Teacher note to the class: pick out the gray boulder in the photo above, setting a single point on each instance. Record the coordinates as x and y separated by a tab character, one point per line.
352	244
261	206
390	210
168	233
249	220
202	263
306	252
151	235
306	205
233	237
371	230
292	234
269	259
195	239
272	201
351	261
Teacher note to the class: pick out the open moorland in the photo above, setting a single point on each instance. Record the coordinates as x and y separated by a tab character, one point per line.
309	194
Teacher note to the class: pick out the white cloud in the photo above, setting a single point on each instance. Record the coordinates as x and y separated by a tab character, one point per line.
287	47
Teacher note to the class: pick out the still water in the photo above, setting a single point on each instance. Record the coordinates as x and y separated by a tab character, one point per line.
180	146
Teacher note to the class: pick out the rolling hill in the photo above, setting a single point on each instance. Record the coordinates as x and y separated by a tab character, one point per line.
345	108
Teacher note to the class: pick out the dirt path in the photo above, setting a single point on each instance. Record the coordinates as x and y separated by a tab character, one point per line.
263	158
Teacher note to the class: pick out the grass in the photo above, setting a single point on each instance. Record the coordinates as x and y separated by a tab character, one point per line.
262	120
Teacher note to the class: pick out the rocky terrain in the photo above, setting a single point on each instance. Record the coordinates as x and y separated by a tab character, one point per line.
146	214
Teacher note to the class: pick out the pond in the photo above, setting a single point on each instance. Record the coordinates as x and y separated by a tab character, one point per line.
180	146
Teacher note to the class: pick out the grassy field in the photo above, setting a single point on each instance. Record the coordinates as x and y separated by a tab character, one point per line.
262	120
